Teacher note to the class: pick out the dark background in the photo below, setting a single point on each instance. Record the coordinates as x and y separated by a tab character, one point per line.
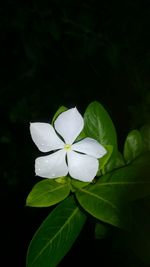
66	52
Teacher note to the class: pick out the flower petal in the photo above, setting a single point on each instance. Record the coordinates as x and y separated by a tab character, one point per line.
44	136
82	167
90	147
52	166
69	124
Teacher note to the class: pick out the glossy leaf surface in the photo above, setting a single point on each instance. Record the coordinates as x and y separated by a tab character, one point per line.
47	193
56	235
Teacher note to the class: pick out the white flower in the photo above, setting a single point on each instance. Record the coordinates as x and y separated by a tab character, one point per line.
80	159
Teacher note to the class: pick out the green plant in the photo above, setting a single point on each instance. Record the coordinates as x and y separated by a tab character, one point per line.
114	197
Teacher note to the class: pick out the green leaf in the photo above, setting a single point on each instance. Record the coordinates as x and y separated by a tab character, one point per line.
98	204
103	161
77	184
142	160
98	125
47	193
119	161
58	112
108	198
133	146
145	133
56	235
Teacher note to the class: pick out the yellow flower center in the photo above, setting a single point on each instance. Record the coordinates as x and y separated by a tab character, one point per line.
67	147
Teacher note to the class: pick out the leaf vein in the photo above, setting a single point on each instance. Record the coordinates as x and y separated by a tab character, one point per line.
59	232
